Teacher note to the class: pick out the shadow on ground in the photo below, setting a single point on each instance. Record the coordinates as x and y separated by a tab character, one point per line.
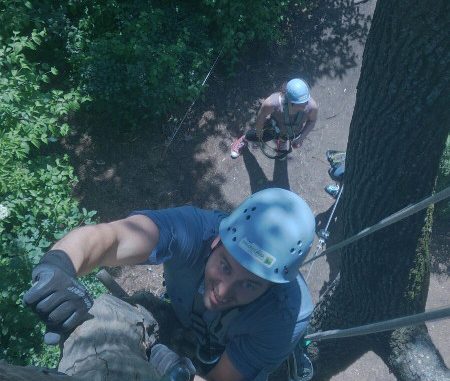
130	171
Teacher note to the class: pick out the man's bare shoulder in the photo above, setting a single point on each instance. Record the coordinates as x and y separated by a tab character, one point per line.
312	105
273	100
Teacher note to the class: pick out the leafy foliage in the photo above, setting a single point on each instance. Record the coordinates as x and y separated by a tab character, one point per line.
36	206
141	61
129	63
443	181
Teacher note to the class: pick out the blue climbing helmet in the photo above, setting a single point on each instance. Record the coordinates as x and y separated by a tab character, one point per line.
297	91
270	234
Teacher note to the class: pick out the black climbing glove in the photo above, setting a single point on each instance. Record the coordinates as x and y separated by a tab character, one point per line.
57	297
170	366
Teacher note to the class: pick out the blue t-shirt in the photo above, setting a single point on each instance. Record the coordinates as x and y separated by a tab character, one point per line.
261	334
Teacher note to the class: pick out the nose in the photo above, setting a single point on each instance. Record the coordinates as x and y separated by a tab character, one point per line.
224	291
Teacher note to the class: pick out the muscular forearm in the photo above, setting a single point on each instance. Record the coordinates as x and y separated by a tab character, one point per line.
311	122
309	125
263	113
124	242
88	246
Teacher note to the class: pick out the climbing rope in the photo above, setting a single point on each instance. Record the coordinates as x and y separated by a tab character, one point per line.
324	234
395	217
386	325
382	326
171	139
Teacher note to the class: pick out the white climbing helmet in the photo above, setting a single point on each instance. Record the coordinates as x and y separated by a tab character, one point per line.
297	91
270	234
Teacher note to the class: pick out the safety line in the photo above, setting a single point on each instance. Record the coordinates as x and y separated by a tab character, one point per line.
192	104
321	239
397	216
382	326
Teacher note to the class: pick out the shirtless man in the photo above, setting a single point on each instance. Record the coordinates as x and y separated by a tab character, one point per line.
291	108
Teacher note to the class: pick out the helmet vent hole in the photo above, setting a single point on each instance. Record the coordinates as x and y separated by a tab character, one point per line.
299	243
248	217
229	228
254	208
234	230
234	239
292	250
276	271
300	252
245	210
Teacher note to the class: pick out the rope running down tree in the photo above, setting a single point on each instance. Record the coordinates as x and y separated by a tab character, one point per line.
400	215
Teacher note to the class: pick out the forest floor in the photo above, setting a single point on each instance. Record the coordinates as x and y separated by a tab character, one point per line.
121	175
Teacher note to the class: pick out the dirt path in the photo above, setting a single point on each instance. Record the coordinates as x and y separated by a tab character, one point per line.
119	176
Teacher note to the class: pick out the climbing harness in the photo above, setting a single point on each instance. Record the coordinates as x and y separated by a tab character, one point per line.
395	217
277	143
171	139
292	123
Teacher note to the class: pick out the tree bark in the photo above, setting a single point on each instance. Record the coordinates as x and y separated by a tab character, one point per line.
111	346
397	136
26	373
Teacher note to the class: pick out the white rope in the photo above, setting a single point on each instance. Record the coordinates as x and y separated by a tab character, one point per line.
382	326
192	104
400	215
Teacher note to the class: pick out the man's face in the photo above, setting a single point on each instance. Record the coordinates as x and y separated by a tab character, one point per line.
296	107
228	284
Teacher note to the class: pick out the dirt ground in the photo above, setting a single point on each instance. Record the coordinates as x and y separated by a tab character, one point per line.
118	176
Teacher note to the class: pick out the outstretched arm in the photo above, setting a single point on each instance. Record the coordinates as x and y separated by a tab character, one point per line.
56	296
126	241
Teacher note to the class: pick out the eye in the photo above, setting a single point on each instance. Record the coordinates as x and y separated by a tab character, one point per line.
224	268
249	286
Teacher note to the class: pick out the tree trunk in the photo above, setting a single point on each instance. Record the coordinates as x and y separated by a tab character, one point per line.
111	346
397	136
26	373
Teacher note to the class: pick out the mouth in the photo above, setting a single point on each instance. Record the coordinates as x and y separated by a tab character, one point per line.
215	300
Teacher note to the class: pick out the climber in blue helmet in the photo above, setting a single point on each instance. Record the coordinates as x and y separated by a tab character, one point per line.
232	279
291	107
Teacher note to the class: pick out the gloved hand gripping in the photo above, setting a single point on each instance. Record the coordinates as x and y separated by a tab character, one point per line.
57	297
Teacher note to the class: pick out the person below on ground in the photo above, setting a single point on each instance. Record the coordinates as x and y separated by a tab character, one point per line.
292	109
232	279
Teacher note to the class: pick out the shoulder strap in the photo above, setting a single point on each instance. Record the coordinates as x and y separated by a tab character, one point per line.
287	120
